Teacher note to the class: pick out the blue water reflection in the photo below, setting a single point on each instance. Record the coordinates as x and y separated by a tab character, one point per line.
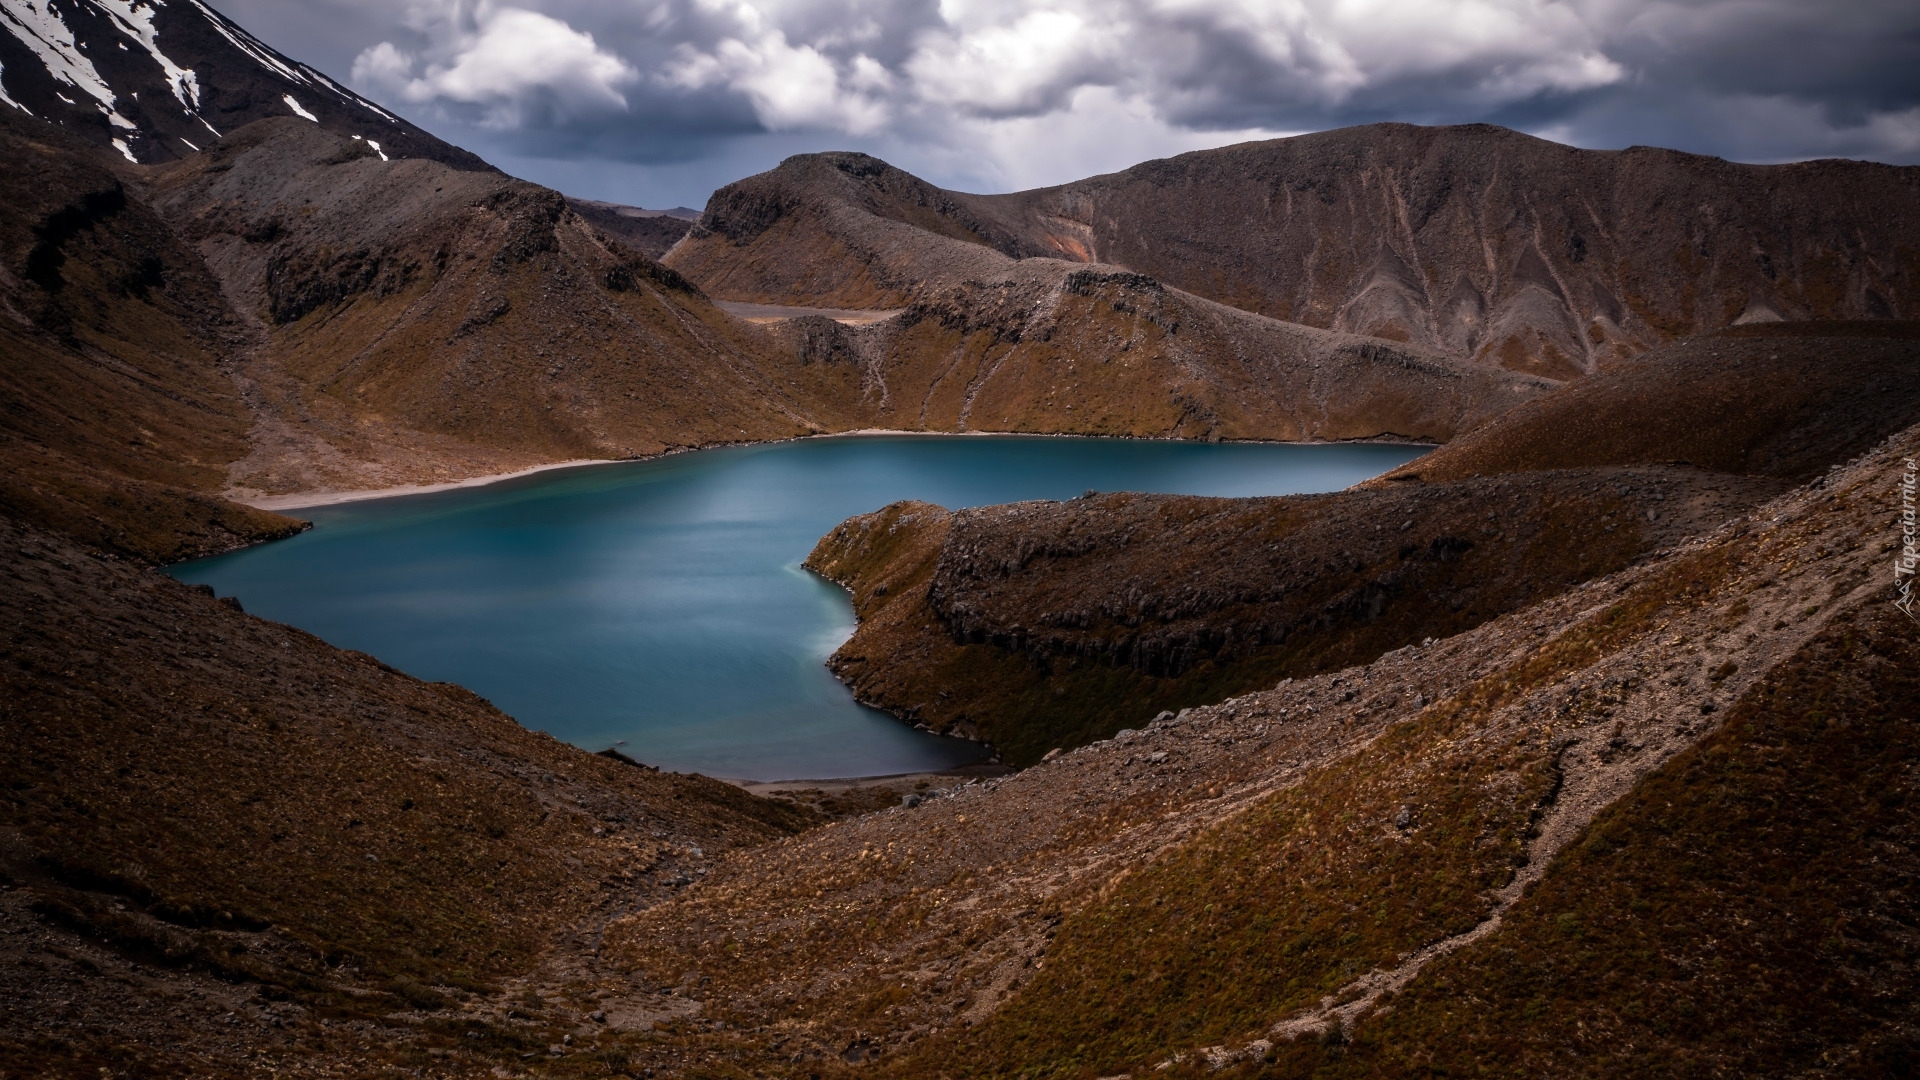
659	606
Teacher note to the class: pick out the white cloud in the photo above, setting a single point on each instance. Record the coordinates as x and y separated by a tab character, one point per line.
1097	131
1022	67
515	65
991	93
861	67
791	87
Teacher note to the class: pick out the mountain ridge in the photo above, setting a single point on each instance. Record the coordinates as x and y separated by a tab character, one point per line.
1387	230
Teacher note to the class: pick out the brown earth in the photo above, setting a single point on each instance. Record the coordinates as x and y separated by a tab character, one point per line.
1045	625
1048	346
1318	875
228	847
120	411
1474	241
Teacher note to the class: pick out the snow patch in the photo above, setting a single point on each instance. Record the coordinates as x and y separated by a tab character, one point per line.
376	148
4	97
135	19
248	44
295	106
190	146
121	145
41	29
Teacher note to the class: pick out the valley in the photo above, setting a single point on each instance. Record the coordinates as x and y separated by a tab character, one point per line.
1581	745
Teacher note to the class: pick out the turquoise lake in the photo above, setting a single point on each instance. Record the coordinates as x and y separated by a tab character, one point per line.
660	607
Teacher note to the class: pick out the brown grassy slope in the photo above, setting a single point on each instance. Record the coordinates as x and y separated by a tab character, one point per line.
114	407
1486	242
1204	882
1782	399
1043	625
1047	346
993	339
1746	911
416	317
196	792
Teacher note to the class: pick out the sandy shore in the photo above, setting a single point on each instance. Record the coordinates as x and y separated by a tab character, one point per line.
303	499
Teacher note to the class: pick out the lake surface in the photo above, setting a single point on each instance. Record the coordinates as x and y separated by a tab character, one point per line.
660	606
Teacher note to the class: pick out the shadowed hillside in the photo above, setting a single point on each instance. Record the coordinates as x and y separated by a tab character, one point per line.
294	851
120	413
1773	399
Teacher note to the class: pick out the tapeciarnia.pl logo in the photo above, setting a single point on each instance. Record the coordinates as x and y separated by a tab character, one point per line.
1904	566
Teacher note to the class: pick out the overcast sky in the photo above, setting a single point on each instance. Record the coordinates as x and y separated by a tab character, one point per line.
658	102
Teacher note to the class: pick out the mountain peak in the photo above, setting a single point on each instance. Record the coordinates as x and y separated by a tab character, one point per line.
159	79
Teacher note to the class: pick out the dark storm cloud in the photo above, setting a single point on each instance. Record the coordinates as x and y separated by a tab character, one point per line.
1001	93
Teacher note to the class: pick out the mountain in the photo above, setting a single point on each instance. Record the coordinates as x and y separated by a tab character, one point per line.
1044	625
1475	241
1583	745
994	338
650	232
412	320
121	415
1542	846
158	80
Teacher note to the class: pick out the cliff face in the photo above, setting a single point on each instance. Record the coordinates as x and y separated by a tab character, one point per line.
1475	241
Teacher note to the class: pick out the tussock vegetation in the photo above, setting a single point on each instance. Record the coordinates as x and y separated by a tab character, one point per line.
1741	911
